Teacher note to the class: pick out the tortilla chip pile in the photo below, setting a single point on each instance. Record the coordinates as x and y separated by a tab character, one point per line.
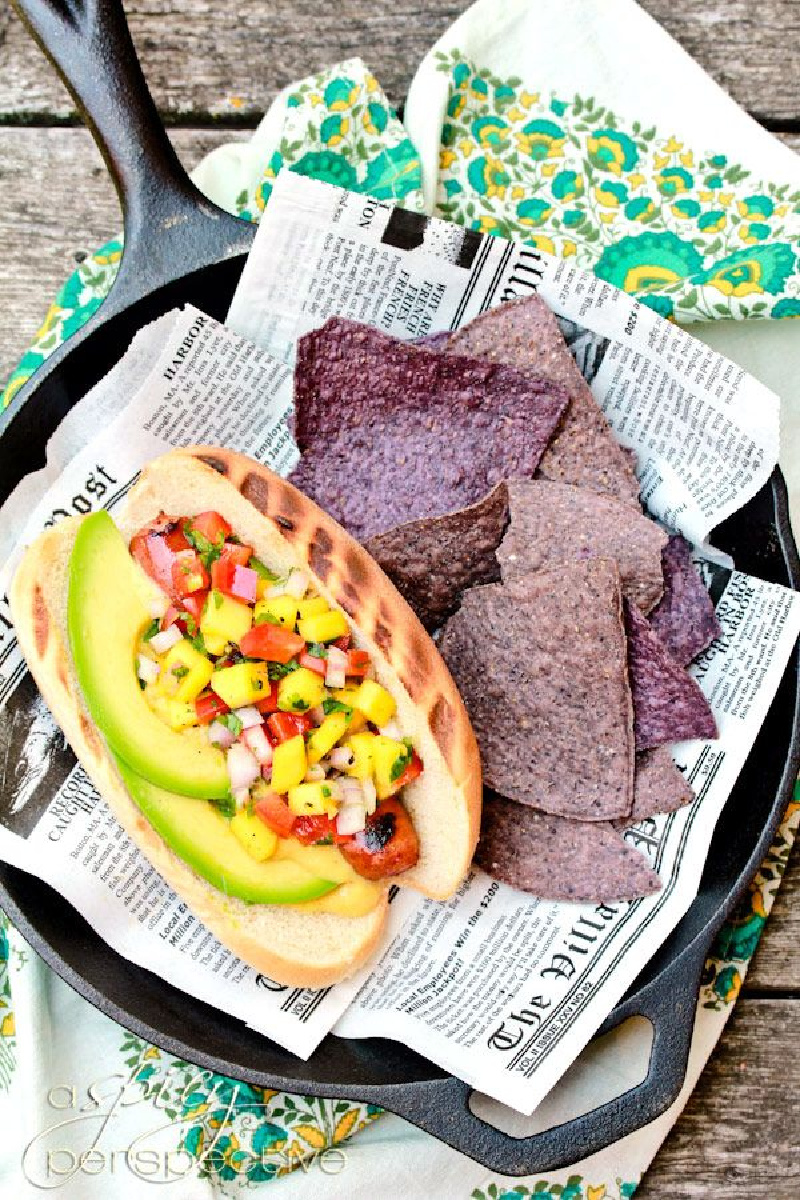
483	477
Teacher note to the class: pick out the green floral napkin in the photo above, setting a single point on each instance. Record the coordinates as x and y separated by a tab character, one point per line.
516	125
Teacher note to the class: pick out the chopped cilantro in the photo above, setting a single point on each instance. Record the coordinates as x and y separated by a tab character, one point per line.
191	624
330	705
227	806
298	704
399	765
180	671
324	841
326	791
278	670
255	564
231	723
266	618
317	650
198	643
217	598
152	629
408	743
209	551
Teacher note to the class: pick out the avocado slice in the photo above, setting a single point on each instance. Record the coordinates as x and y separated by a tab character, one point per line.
107	609
199	834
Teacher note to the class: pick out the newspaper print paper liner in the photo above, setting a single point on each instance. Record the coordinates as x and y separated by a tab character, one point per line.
736	943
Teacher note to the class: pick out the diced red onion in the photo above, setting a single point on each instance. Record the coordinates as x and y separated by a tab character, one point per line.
350	819
220	735
341	758
249	716
240	797
158	606
161	556
147	670
166	639
259	744
350	791
243	766
335	668
317	714
370	796
315	774
391	730
245	582
297	584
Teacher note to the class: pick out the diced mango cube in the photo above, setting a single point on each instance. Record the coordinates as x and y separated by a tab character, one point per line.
257	838
389	760
346	695
323	627
361	745
282	609
312	800
300	690
326	736
374	702
312	607
184	672
224	620
242	684
176	713
289	764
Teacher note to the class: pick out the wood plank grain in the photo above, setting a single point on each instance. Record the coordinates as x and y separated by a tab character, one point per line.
58	204
737	1137
776	963
200	58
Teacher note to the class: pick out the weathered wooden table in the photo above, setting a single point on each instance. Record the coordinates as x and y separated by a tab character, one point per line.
213	68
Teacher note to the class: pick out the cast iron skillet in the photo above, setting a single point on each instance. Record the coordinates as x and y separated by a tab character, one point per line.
178	249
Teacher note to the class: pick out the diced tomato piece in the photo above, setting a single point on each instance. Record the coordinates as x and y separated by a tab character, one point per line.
239	555
275	812
209	706
222	575
272	642
317	665
224	572
171	616
188	574
317	829
282	726
343	643
213	527
412	771
357	663
270	703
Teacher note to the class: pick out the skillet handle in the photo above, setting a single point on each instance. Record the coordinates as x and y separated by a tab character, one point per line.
170	228
441	1106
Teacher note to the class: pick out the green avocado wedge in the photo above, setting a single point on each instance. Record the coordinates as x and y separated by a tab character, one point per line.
107	609
198	833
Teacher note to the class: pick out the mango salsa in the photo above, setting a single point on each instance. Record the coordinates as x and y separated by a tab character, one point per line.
312	800
224	620
374	702
257	838
323	627
243	684
282	609
300	690
184	672
289	764
323	739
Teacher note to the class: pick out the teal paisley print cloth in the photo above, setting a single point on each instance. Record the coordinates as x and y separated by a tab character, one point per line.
691	234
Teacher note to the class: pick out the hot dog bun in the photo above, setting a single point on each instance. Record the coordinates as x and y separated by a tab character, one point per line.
287	530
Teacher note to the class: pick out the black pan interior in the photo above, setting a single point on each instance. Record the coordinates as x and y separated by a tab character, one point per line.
760	542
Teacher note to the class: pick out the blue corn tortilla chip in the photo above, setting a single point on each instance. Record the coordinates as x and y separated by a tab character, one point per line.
658	787
542	668
552	523
432	561
668	705
684	618
390	432
554	858
526	335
